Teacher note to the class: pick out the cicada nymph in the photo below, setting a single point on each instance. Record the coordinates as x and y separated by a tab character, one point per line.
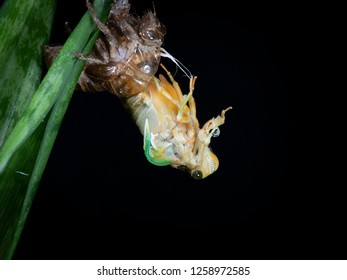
124	61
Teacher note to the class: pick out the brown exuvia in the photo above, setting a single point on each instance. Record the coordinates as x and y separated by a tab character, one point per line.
126	55
124	61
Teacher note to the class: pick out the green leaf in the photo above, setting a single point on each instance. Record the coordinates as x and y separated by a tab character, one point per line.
30	122
21	37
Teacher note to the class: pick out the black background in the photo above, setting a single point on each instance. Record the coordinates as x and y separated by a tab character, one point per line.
99	198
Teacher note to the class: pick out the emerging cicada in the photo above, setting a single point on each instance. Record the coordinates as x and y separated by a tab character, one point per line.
124	61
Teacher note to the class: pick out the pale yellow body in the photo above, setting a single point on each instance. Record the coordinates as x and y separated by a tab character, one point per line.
172	136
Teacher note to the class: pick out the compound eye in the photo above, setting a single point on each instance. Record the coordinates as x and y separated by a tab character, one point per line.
149	35
197	174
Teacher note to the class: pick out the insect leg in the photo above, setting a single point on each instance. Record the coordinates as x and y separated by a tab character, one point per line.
175	85
119	16
192	104
104	29
183	101
89	59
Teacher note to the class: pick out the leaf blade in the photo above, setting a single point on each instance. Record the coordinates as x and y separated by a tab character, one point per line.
22	36
34	133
